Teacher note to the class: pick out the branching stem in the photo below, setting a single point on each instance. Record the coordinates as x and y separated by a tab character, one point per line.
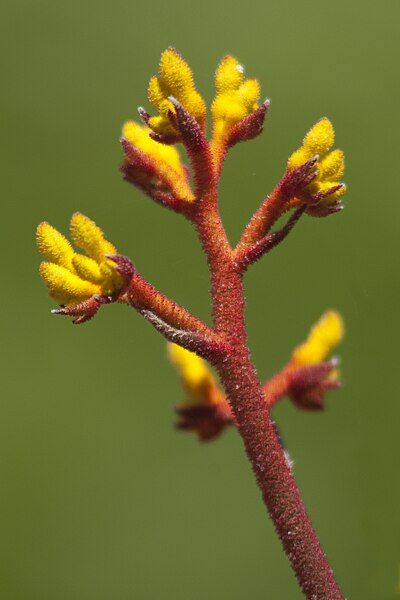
246	396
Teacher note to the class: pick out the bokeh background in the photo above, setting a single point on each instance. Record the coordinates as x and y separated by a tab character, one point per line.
100	497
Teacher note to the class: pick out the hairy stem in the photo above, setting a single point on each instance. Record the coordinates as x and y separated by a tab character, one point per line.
246	396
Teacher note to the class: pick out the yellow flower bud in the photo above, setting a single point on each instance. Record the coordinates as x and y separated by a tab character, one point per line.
53	245
229	75
87	268
320	138
61	282
89	237
166	159
330	168
235	99
175	78
196	377
322	339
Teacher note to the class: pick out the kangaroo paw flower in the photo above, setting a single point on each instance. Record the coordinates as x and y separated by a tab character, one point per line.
153	166
205	410
236	99
175	78
310	374
326	188
80	283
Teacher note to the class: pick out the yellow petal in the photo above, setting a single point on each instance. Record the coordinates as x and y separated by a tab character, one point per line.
249	93
195	375
62	283
155	93
176	77
299	157
331	167
323	338
228	108
53	245
87	268
229	75
89	237
320	138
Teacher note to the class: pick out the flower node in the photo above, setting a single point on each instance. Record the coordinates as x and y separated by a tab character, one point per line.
74	278
326	189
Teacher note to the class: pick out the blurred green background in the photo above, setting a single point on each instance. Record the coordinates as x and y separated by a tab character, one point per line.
101	498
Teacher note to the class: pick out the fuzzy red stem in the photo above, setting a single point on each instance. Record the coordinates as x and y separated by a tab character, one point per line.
277	202
245	256
246	396
176	323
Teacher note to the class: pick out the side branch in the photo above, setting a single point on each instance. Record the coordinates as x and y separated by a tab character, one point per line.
277	202
245	256
173	321
305	386
209	348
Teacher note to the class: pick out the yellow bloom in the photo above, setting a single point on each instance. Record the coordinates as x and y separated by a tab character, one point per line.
72	277
322	339
175	78
235	98
319	140
166	159
197	379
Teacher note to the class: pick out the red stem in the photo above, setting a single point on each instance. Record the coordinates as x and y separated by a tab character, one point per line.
246	396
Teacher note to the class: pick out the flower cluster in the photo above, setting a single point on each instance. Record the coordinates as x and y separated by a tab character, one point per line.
326	188
72	278
311	183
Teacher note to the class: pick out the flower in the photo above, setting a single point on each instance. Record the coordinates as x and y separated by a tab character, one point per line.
330	168
205	410
71	277
155	164
196	378
175	78
309	372
325	335
235	99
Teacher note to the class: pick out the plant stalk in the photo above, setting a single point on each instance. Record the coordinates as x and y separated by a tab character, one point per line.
246	396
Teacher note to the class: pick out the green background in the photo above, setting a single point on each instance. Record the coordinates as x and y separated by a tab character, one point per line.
100	497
